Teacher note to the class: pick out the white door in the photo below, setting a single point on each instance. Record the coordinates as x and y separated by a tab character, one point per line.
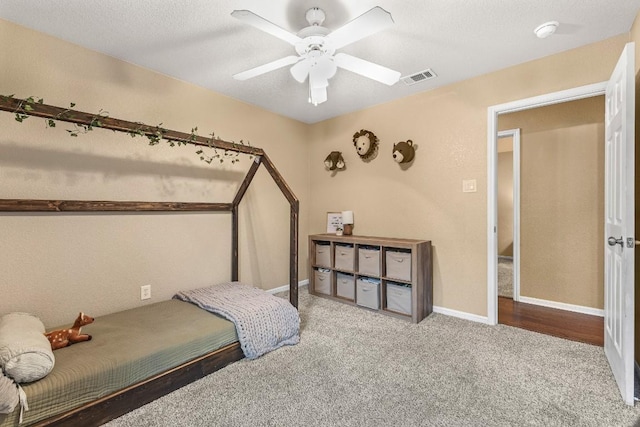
619	223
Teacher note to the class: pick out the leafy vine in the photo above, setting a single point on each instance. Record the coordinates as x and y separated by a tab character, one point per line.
154	134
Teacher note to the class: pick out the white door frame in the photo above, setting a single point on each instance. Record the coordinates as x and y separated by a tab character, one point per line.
574	94
515	136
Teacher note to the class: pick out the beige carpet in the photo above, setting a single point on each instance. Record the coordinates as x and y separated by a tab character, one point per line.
505	277
354	367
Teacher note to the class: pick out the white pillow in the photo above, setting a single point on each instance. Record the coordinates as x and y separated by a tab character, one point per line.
25	352
9	397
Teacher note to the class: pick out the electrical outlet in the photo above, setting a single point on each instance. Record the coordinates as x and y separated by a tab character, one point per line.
145	292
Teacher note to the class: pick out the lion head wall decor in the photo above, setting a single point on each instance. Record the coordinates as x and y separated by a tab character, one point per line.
366	144
404	152
334	161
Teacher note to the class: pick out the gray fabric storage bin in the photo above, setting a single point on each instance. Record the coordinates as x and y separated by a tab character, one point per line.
368	294
399	298
345	286
343	257
323	254
369	261
322	281
398	265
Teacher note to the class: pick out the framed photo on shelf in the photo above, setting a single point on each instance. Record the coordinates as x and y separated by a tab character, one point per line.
334	221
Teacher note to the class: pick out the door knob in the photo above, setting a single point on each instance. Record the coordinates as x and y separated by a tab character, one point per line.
613	241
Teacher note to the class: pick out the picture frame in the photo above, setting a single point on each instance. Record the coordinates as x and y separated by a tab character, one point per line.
334	222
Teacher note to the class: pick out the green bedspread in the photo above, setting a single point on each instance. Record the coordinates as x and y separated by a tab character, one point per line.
127	347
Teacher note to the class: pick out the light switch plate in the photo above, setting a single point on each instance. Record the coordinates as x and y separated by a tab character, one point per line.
469	186
145	292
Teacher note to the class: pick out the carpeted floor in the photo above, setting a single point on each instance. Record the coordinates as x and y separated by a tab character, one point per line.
354	367
505	277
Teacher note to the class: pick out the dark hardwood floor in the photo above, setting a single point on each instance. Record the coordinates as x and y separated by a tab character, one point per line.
559	323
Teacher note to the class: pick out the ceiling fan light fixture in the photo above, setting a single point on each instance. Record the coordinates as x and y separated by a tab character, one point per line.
317	95
316	46
545	30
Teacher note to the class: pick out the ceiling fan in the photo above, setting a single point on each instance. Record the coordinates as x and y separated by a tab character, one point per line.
316	48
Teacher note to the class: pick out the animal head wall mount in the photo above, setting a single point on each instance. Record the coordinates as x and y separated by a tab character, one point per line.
366	144
404	152
334	161
64	337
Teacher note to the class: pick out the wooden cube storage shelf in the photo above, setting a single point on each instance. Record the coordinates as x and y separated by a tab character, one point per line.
413	268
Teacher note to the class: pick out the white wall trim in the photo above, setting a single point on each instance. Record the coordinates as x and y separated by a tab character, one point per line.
436	309
515	135
492	159
563	306
285	288
461	314
636	372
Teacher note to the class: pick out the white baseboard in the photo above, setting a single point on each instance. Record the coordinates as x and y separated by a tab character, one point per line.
285	288
483	319
563	306
461	314
436	309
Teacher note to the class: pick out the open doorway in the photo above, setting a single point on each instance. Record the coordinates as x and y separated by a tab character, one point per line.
561	189
561	219
561	239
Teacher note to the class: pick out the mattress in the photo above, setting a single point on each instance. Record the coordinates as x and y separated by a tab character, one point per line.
127	347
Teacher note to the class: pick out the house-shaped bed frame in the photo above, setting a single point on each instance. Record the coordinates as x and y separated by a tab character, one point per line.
137	395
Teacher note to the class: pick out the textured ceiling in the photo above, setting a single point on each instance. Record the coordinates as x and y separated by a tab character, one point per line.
198	41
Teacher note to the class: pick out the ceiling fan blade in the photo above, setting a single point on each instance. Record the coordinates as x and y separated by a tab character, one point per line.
283	62
300	71
368	69
260	23
370	22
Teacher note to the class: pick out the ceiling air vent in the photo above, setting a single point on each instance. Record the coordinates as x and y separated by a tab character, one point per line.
419	77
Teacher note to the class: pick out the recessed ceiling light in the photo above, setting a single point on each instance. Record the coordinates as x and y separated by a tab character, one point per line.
545	30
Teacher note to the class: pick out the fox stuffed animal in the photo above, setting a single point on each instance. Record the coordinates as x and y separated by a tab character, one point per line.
64	337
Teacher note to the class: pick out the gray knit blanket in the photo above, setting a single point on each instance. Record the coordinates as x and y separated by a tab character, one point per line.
263	322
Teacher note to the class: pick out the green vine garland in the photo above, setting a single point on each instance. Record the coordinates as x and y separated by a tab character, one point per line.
154	134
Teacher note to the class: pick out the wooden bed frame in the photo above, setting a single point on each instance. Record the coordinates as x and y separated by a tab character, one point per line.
116	404
119	403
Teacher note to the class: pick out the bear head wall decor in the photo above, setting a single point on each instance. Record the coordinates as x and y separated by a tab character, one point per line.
366	144
404	152
334	161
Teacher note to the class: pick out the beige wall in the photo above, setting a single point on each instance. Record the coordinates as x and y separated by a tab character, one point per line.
562	201
96	263
425	201
505	196
58	265
634	36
